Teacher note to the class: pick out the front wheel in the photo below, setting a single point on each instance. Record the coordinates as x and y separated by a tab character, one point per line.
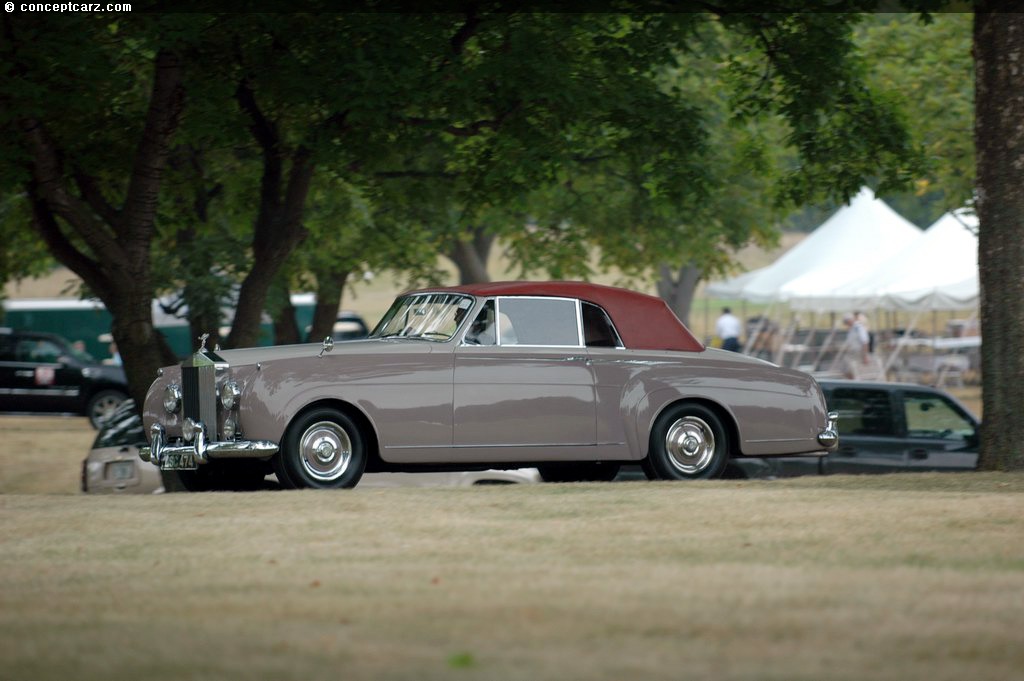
688	442
323	448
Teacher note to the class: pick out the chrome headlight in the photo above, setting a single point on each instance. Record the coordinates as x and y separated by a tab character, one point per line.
189	428
229	394
172	398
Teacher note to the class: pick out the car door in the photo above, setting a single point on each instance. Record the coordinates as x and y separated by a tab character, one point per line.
41	380
523	383
941	435
870	435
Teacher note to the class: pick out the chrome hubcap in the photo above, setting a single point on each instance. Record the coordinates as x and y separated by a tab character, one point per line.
690	444
325	451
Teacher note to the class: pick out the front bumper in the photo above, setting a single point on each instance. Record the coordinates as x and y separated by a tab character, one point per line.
200	451
829	438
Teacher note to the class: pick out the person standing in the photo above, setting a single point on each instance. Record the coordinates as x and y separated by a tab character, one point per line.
858	346
728	328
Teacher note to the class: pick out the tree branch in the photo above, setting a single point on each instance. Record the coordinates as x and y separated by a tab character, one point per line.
166	104
90	191
61	247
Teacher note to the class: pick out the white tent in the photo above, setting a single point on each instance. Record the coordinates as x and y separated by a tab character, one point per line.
937	271
851	242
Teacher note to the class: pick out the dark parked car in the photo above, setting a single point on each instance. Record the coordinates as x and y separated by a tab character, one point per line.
568	377
113	465
350	326
887	427
42	372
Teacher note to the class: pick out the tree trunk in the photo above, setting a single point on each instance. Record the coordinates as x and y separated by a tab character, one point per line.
470	256
677	291
329	290
279	305
115	261
278	228
999	139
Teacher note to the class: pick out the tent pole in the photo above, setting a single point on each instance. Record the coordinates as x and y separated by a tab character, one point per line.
898	344
829	340
761	323
803	346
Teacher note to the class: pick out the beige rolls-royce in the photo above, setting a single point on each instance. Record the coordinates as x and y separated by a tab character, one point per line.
572	378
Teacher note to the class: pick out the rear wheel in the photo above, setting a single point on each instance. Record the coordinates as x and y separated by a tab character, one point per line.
688	442
323	448
575	471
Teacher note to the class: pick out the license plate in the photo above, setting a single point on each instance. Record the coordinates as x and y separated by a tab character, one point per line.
120	470
179	462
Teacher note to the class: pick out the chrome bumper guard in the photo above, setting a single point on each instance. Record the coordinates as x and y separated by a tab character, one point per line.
829	438
159	451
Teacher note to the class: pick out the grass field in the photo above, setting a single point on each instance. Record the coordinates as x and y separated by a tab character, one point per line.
893	577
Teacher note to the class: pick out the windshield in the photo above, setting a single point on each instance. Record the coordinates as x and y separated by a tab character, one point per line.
430	316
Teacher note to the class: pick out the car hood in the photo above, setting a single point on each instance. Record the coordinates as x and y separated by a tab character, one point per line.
249	356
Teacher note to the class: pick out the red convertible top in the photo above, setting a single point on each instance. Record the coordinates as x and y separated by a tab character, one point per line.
644	322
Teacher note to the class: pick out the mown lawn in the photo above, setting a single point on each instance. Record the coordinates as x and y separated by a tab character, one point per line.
894	577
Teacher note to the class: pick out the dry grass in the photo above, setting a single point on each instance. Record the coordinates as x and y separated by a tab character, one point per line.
892	577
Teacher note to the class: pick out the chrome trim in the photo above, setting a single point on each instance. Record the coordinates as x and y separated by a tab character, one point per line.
172	392
690	445
229	395
328	345
204	451
829	438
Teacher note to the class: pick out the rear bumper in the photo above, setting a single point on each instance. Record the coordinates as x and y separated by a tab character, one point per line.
829	438
160	451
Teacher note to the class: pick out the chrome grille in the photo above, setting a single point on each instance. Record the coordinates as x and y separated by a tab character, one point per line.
199	392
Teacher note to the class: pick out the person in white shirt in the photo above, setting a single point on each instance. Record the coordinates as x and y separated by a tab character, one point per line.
858	343
728	328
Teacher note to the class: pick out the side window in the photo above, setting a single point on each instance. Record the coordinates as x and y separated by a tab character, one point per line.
538	321
38	350
931	416
863	411
598	331
6	349
482	330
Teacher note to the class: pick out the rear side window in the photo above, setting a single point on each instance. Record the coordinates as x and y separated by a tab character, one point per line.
863	411
538	321
598	330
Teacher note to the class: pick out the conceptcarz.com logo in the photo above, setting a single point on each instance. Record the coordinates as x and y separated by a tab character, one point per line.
68	7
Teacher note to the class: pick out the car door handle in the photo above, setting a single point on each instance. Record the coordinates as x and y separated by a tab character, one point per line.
575	358
918	453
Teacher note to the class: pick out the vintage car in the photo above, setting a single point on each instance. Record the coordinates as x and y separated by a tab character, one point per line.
569	377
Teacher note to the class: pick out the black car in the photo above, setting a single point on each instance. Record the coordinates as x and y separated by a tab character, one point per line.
350	326
889	427
42	372
883	428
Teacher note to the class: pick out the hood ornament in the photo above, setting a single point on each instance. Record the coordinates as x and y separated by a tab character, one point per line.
202	342
327	346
